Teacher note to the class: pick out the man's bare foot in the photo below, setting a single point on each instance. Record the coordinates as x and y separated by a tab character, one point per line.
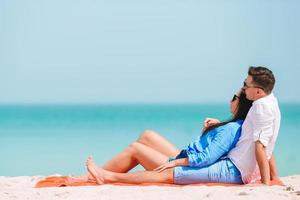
95	171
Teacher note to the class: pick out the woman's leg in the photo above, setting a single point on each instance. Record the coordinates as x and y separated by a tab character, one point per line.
125	161
156	141
135	154
103	176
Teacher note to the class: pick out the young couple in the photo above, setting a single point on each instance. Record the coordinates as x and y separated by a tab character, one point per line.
236	151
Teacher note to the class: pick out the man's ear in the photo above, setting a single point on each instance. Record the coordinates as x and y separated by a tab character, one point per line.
260	92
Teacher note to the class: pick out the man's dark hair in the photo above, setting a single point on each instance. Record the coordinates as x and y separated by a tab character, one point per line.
262	78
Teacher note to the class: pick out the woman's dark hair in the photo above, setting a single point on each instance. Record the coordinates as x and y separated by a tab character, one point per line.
243	107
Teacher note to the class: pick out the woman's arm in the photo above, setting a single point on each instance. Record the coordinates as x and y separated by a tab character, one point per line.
173	163
218	146
209	122
181	162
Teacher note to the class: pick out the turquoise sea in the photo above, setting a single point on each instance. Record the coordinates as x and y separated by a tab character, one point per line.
50	139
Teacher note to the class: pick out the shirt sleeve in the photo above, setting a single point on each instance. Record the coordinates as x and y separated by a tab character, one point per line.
262	124
219	146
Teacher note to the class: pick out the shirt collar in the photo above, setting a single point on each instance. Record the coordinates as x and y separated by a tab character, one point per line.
265	99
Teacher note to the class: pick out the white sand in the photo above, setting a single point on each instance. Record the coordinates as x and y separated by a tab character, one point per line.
22	188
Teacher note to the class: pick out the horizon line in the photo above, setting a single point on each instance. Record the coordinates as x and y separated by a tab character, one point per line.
120	103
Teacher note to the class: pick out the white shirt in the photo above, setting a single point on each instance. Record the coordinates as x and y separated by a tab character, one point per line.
261	124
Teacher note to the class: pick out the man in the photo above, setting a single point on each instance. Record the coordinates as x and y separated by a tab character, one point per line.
253	154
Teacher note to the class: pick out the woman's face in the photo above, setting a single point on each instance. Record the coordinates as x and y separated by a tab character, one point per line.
234	103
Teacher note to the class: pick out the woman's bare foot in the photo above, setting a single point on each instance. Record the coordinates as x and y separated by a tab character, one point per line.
95	171
83	178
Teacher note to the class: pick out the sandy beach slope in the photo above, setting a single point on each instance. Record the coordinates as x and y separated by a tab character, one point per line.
23	188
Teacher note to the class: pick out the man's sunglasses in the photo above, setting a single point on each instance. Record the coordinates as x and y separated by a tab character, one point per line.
247	86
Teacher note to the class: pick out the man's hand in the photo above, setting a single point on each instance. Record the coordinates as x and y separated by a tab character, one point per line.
276	181
165	166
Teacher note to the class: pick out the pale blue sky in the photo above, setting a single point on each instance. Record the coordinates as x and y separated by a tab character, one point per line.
88	51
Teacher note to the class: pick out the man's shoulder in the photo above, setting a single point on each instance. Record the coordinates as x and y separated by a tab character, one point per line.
266	103
267	100
264	109
261	110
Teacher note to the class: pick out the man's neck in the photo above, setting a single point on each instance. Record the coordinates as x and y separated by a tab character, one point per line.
261	96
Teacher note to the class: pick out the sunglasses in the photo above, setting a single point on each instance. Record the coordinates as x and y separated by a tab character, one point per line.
245	86
235	97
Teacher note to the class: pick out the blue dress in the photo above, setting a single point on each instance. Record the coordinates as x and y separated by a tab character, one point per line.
207	157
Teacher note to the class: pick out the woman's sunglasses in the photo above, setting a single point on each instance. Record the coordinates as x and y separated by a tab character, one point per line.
235	97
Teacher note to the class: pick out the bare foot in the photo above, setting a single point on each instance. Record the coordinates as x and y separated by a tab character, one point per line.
95	171
83	178
86	177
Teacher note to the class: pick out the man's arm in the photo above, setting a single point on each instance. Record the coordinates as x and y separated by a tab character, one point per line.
262	162
273	168
273	172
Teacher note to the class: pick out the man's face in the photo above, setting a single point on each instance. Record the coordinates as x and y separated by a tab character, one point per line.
250	89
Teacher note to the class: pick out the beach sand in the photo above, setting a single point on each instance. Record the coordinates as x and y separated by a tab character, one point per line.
22	187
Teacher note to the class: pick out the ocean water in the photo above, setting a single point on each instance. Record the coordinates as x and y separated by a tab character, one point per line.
57	139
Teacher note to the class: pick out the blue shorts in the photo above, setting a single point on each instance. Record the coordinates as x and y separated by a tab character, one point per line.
222	171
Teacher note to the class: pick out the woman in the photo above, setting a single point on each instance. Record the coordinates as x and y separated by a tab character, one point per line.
203	160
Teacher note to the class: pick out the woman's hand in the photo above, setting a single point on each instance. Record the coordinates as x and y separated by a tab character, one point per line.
164	166
209	122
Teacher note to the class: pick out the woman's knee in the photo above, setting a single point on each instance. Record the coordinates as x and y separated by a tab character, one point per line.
134	147
147	135
168	175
